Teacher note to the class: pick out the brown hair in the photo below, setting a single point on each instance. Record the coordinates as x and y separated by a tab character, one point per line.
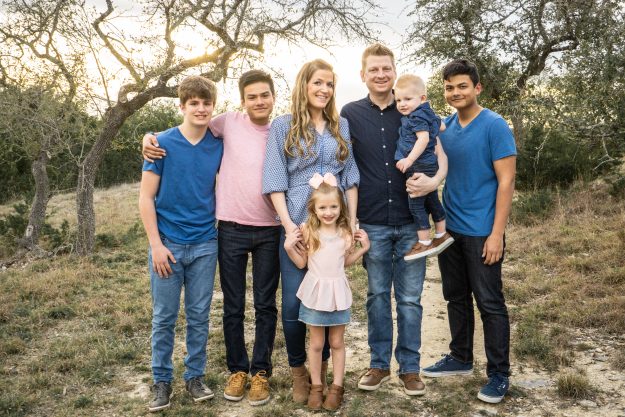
311	231
301	127
197	86
255	76
409	80
377	49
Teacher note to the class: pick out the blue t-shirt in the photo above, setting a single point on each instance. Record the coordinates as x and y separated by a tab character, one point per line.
185	201
470	190
421	119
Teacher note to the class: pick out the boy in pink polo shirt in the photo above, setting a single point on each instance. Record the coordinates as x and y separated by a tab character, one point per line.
247	224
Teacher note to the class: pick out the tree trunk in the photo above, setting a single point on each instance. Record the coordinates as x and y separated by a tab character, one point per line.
37	215
88	169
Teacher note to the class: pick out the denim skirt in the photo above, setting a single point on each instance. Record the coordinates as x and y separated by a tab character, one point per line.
323	318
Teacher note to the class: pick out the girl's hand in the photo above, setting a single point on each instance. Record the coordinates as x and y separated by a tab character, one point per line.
294	240
361	236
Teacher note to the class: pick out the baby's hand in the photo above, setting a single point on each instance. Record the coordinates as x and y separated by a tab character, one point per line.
403	164
361	236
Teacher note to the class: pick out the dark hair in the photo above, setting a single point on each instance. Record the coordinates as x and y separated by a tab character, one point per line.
255	76
461	67
197	86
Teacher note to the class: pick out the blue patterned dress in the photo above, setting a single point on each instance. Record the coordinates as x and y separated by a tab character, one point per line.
282	173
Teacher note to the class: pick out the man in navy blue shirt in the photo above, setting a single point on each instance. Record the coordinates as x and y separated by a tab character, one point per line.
477	198
383	212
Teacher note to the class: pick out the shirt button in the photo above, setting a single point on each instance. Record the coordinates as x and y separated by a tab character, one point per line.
383	146
390	201
382	129
386	164
389	181
381	113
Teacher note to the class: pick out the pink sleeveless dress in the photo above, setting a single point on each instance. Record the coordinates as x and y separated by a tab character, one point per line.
325	286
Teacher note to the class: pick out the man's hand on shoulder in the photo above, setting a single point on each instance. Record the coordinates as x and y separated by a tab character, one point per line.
150	149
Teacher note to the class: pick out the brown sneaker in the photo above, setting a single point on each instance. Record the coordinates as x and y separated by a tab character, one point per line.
315	397
235	388
441	243
259	389
334	399
419	250
373	378
301	384
412	384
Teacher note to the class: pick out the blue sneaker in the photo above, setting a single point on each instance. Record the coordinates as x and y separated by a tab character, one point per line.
496	388
446	367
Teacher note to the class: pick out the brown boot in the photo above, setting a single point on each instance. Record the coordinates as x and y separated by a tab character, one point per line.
324	377
301	384
334	399
315	397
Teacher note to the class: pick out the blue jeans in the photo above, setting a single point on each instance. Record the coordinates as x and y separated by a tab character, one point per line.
465	276
294	330
422	207
195	270
236	241
386	268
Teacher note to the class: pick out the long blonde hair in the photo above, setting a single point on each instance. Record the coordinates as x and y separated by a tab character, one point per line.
311	235
301	125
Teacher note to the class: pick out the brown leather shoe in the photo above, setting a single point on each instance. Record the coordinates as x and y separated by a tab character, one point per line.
373	378
441	243
412	384
315	397
301	384
335	398
419	250
324	376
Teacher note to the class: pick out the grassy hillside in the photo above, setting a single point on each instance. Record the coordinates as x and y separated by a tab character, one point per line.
74	332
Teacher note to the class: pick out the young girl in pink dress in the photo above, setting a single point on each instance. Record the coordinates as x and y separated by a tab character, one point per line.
329	246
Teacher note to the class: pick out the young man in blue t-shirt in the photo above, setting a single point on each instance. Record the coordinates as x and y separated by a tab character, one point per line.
177	206
477	198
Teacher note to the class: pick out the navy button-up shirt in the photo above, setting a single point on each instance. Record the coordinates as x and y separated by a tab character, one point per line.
382	197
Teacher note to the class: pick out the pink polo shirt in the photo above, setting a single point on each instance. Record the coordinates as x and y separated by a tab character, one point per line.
239	184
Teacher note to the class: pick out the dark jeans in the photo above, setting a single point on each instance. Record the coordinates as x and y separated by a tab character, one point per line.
463	273
235	242
429	204
294	330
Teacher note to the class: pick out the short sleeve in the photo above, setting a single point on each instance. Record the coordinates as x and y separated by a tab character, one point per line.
418	123
501	140
156	166
275	173
349	176
217	125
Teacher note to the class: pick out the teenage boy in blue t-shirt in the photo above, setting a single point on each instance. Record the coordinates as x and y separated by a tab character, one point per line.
477	198
177	206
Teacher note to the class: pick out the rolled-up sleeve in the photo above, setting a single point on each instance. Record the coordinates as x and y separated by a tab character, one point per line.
275	173
349	176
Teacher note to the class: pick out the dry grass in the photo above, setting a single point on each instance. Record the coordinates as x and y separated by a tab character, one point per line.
570	266
574	384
